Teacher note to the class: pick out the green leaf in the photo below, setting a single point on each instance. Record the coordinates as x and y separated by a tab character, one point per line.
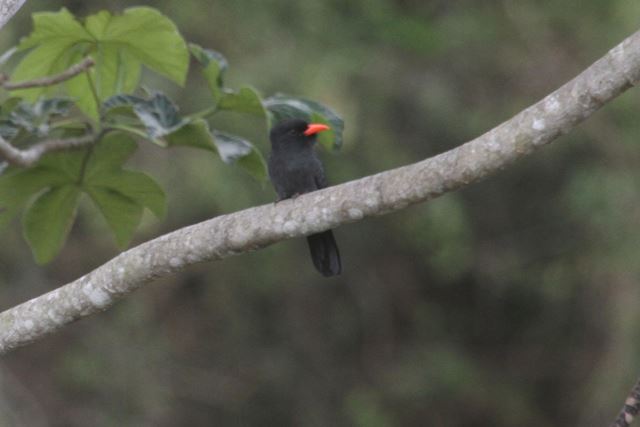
67	163
283	107
254	165
138	187
80	87
17	186
47	221
53	38
215	65
119	44
121	213
233	149
8	130
246	100
121	195
159	115
110	154
117	70
9	105
230	148
104	170
121	103
35	118
195	134
59	26
149	36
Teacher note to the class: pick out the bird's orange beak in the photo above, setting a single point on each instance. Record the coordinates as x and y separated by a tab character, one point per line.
314	128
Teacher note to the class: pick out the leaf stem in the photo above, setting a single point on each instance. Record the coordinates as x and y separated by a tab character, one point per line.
83	167
125	128
88	153
204	114
94	91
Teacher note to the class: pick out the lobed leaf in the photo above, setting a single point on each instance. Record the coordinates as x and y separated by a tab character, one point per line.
47	222
110	154
35	118
246	100
138	187
194	134
120	45
214	67
233	149
17	186
121	213
159	115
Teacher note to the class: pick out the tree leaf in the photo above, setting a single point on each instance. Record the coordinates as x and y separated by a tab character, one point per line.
246	100
8	129
53	38
121	103
47	222
159	115
136	186
60	26
215	66
35	118
18	185
283	107
117	70
119	44
121	213
152	38
121	195
254	164
233	149
195	134
110	154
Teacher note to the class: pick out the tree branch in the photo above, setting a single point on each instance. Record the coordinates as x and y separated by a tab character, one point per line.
70	72
8	8
378	194
29	157
630	409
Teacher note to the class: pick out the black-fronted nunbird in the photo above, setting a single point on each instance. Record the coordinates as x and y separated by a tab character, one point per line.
294	169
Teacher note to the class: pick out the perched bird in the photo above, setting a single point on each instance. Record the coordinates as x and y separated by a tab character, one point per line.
294	169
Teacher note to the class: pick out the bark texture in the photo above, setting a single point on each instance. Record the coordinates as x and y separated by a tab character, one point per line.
8	8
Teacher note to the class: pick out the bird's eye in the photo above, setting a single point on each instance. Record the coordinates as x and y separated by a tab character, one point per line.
293	132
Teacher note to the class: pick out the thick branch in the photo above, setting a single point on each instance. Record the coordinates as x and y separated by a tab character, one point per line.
630	409
8	8
385	192
70	72
29	157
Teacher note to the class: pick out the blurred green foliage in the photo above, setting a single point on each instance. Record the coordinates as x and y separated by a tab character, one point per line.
111	99
511	302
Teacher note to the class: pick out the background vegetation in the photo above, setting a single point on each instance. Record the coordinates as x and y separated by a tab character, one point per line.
511	302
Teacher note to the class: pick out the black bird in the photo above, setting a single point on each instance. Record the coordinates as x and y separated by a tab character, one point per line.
294	169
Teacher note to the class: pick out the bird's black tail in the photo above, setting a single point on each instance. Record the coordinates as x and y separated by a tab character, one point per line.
324	253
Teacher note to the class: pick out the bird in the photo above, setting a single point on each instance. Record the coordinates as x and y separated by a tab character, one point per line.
294	169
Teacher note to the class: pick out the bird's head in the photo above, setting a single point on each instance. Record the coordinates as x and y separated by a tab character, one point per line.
295	131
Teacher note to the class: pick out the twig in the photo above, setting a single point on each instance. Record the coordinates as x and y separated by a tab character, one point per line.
630	409
69	73
30	156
